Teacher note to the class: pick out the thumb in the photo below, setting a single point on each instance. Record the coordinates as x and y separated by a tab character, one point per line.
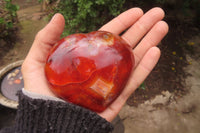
50	34
45	39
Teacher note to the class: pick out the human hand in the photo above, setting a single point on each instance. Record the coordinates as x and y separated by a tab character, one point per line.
143	33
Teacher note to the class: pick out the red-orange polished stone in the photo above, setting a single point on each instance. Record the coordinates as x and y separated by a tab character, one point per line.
89	70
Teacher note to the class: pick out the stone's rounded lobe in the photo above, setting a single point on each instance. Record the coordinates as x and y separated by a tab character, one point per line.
89	70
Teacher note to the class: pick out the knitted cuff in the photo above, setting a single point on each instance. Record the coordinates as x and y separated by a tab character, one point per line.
45	116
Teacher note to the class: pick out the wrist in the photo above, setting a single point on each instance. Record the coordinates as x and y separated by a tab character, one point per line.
38	115
40	96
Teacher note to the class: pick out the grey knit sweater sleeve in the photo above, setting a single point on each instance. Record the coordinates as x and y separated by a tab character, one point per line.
46	116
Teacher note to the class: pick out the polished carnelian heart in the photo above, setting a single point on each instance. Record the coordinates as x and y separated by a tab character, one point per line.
89	70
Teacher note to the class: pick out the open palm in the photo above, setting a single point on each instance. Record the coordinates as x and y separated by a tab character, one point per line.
143	33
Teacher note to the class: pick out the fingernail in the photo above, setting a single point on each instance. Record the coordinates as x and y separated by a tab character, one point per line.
54	16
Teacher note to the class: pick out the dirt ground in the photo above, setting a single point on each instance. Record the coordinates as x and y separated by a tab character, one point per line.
167	112
167	102
31	20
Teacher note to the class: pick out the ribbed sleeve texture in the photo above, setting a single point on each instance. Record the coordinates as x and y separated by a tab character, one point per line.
45	116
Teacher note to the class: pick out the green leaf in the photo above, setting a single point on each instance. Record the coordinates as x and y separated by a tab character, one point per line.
2	21
87	15
142	86
9	25
40	1
8	0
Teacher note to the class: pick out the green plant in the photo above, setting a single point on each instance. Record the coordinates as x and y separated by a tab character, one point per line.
142	86
40	1
87	15
8	17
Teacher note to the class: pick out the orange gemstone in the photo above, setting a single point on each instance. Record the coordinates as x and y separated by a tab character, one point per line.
89	70
17	81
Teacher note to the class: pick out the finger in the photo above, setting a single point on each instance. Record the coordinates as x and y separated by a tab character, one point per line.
50	34
153	37
45	39
139	74
123	21
142	26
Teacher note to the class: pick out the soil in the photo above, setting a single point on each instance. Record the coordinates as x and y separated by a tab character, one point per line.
31	20
168	112
169	73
